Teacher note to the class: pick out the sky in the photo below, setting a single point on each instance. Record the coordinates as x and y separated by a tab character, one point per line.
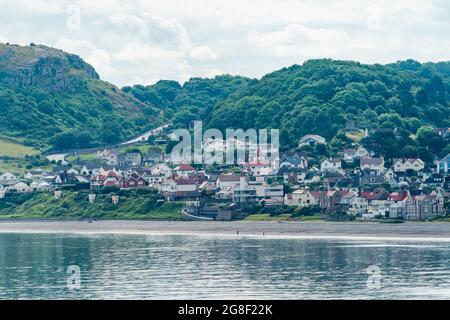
144	41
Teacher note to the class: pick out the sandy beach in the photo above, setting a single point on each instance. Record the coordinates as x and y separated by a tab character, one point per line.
307	230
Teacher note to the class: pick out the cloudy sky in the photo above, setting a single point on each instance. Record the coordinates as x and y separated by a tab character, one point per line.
143	41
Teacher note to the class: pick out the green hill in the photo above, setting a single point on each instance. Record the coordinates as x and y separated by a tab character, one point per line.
320	97
52	98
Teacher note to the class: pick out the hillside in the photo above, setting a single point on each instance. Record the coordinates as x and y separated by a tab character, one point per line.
52	98
320	97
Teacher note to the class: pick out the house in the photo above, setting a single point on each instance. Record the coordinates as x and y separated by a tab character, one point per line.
41	186
331	165
397	180
64	169
134	181
349	155
443	132
71	181
152	158
373	164
161	169
443	165
311	177
404	165
293	160
336	180
292	176
110	156
181	187
357	205
311	140
302	197
370	177
19	187
228	181
131	159
256	190
434	181
154	180
376	203
106	179
8	179
89	168
183	170
329	201
35	175
424	206
396	204
258	169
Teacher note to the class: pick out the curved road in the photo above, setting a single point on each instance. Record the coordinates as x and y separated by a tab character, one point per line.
143	137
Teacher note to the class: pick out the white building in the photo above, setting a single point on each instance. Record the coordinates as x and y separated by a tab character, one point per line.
331	165
403	165
8	179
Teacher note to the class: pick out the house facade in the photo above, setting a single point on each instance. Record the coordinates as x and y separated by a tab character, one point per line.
312	140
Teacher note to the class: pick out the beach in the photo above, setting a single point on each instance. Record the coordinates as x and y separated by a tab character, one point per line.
308	230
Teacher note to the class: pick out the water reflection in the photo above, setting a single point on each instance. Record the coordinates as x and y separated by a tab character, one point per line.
189	267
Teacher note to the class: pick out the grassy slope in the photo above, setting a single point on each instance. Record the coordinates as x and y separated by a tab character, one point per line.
13	148
74	205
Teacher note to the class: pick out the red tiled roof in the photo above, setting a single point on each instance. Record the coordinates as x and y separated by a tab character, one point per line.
184	167
399	196
229	177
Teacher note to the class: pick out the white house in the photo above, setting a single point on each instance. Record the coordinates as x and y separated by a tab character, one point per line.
42	186
253	191
351	154
228	181
19	187
403	165
183	170
110	156
35	174
161	169
312	140
331	165
258	169
8	179
303	197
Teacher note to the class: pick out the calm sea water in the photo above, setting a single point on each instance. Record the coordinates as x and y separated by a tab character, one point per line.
34	266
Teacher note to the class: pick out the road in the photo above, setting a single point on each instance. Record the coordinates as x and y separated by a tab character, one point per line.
143	137
146	136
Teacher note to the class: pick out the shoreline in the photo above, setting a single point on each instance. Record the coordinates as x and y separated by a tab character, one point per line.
364	231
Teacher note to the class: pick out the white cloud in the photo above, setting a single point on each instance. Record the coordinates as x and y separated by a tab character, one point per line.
147	40
99	58
151	63
298	40
3	39
203	53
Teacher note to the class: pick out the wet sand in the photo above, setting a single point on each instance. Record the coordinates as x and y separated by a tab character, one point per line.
307	230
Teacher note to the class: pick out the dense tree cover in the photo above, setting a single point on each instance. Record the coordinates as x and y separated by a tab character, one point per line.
320	97
195	100
70	120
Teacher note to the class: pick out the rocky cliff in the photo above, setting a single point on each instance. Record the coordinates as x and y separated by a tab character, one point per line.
52	97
